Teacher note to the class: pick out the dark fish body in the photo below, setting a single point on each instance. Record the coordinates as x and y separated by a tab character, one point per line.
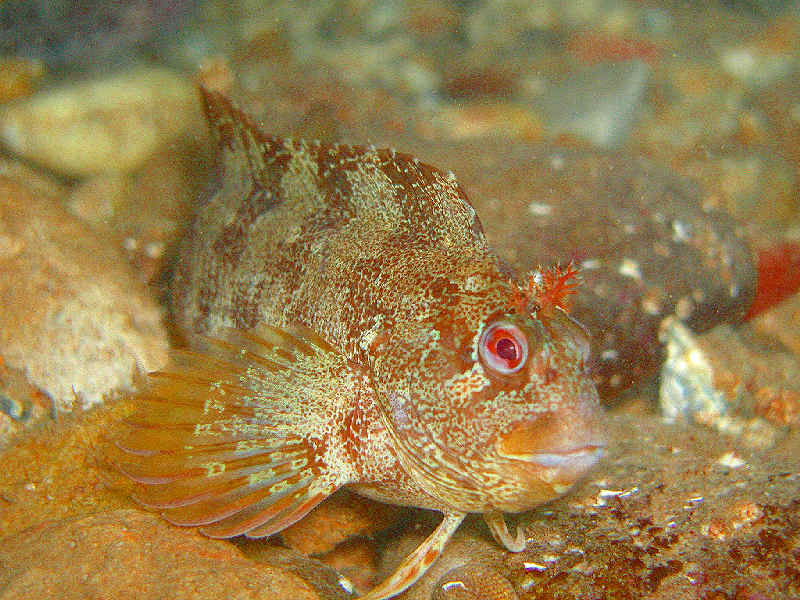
351	327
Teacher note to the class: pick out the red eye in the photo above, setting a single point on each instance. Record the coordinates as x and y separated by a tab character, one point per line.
503	347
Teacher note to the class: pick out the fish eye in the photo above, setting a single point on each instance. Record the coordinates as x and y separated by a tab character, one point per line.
503	347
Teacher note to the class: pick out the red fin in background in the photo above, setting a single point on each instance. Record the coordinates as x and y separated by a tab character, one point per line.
230	437
778	277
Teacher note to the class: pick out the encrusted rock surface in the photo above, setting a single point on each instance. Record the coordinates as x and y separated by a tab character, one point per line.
130	554
676	511
74	318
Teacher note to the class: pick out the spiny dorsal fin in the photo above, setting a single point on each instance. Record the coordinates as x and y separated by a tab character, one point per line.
415	192
245	150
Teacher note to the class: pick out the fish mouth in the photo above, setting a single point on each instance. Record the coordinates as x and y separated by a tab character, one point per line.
573	459
563	448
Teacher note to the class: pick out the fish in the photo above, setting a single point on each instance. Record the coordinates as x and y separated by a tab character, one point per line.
347	325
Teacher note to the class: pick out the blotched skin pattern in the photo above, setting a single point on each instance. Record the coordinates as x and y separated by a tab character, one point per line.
350	327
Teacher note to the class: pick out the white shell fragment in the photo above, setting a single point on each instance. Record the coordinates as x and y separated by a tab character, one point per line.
687	389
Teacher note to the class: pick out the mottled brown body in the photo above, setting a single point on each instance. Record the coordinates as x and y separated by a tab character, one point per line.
359	333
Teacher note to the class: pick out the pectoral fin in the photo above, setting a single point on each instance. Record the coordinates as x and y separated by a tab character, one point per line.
236	435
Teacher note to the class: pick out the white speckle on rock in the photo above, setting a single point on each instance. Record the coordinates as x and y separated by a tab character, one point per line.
684	308
610	354
540	209
681	232
346	585
730	460
591	263
629	268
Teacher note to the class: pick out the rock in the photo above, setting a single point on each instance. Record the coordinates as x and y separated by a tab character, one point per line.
114	123
598	104
474	581
327	582
675	511
357	561
687	387
732	380
341	517
754	187
60	470
22	405
130	554
145	212
74	319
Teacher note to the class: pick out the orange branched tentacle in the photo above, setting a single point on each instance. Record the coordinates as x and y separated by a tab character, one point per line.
556	286
545	290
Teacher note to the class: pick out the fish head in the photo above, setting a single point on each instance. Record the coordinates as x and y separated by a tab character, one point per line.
490	404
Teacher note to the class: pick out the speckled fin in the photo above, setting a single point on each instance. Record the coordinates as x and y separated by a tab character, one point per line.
419	561
229	437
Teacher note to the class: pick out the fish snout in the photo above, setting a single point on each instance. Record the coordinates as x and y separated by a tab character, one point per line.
555	449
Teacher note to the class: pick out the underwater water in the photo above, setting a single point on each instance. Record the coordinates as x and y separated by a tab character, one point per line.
652	146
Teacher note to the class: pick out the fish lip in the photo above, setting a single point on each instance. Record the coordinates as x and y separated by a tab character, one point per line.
581	457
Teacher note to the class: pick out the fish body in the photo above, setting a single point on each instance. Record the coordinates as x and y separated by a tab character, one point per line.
351	328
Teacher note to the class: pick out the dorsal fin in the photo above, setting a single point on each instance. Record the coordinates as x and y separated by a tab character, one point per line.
244	149
396	182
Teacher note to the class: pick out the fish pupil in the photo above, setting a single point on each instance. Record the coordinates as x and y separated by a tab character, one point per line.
507	349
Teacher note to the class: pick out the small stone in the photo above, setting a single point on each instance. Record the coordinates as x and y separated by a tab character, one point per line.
114	123
502	119
356	561
687	387
18	77
325	581
339	518
22	405
74	318
765	59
